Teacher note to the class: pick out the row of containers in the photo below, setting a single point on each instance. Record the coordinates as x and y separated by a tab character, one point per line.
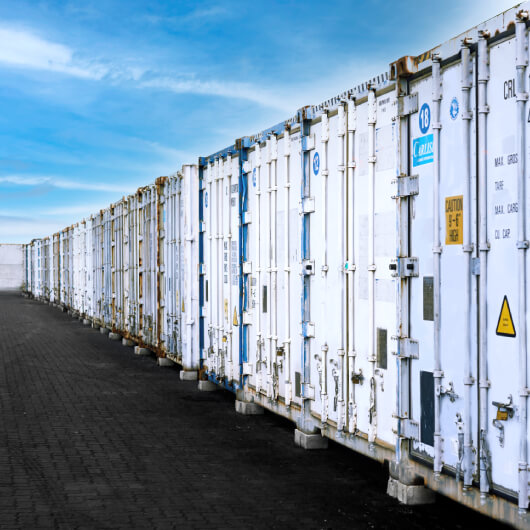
360	268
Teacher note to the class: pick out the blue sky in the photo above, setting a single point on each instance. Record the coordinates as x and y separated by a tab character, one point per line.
98	98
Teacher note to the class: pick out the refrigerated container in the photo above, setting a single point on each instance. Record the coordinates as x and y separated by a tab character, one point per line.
360	268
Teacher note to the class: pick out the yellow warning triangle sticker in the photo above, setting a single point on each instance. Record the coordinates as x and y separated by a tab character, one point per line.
505	325
235	323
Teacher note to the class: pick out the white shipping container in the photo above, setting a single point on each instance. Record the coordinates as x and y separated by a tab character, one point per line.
181	286
360	268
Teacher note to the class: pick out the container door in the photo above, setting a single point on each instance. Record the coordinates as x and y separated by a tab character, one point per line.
188	272
327	242
503	288
211	252
443	238
134	273
171	288
230	267
273	265
258	265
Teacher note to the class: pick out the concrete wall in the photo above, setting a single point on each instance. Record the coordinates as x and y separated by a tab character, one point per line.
11	266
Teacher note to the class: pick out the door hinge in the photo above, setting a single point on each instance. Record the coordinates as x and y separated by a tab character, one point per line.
247	218
405	186
247	369
308	391
308	205
407	348
407	105
475	266
308	142
308	330
247	267
408	428
404	267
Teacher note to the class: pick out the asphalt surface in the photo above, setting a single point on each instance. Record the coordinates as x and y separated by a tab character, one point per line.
94	437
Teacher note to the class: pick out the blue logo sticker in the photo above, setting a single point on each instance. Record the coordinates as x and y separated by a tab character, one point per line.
422	150
254	177
316	163
206	199
425	118
453	109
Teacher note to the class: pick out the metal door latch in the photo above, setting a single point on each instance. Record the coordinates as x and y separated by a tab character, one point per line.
498	424
504	410
449	391
357	378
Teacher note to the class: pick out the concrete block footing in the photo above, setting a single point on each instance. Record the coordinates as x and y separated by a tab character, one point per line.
141	351
189	375
410	494
114	336
310	441
207	386
164	361
86	322
248	409
127	342
104	331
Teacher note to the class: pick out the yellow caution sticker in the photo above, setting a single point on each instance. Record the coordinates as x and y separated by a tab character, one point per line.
454	220
505	326
226	309
235	322
183	309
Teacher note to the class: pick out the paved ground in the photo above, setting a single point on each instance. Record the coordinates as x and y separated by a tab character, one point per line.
92	436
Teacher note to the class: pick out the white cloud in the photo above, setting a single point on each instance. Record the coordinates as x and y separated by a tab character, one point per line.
229	89
23	49
61	183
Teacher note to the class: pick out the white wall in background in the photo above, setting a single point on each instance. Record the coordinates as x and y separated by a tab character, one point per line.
11	266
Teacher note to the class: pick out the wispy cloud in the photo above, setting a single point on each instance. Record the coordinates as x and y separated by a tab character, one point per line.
61	183
198	15
23	49
81	210
229	89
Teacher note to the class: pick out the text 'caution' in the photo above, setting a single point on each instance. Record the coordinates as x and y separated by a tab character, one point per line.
454	220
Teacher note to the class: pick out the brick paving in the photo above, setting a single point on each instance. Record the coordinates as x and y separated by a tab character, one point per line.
94	437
